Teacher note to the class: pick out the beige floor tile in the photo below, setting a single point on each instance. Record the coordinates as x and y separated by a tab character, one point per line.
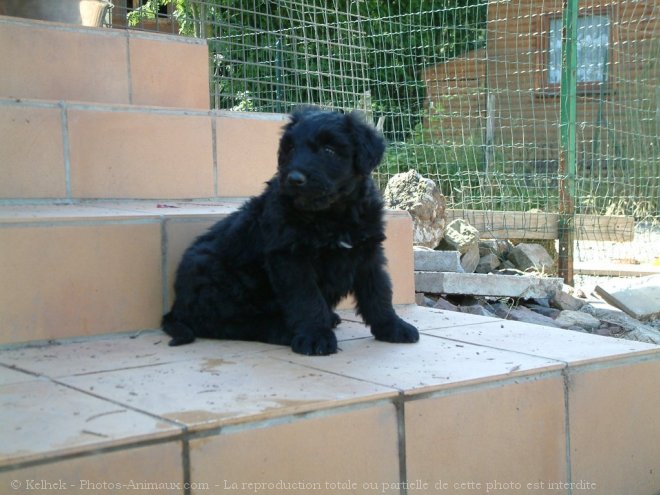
512	434
51	213
116	352
153	469
314	455
168	72
42	419
246	163
615	429
174	153
552	343
10	376
31	152
79	279
226	389
176	209
431	364
429	319
70	58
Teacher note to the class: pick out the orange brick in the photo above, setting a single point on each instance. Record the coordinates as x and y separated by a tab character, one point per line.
125	154
69	280
247	153
169	72
357	447
31	152
53	63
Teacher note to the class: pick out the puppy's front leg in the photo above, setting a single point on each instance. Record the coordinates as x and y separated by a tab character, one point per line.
306	312
373	292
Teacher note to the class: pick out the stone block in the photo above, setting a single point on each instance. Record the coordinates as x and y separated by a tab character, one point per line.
479	284
429	260
532	257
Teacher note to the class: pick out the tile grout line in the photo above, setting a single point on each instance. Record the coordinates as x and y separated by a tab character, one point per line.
66	148
567	429
612	361
399	404
141	108
91	452
514	379
164	244
503	349
617	361
129	72
214	151
185	463
319	412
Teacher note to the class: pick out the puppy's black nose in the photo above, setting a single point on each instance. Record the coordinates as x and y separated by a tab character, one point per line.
296	179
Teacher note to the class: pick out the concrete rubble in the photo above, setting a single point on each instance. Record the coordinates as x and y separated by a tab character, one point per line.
456	270
422	198
496	279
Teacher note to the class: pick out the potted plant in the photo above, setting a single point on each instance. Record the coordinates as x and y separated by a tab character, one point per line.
81	12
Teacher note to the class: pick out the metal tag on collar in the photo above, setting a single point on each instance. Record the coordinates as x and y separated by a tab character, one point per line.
344	244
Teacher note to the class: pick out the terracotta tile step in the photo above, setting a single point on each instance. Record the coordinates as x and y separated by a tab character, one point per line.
100	267
101	65
476	402
56	150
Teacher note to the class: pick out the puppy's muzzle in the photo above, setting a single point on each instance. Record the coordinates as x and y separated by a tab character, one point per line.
296	179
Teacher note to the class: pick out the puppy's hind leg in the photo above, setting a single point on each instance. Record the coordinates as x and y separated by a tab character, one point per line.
180	332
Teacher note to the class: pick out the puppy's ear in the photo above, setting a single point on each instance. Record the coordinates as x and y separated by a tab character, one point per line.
369	143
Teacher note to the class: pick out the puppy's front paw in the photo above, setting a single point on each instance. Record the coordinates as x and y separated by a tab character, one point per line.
335	320
319	343
396	331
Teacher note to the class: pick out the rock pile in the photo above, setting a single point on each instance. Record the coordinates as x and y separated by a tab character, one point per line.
456	270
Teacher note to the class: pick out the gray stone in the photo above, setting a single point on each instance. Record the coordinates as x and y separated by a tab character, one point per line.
570	319
498	247
442	303
564	301
476	309
488	263
532	257
422	300
635	330
470	260
423	200
542	301
460	236
544	310
639	297
479	284
428	260
525	315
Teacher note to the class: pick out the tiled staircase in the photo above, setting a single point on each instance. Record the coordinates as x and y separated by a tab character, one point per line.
110	164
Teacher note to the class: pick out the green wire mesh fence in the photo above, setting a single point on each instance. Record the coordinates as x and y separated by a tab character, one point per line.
467	92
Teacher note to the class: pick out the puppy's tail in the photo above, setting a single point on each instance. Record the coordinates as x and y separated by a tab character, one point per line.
180	332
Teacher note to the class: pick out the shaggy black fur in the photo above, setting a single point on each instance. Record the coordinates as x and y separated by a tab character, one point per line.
274	270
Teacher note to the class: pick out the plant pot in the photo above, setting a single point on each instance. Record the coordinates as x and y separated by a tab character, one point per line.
81	12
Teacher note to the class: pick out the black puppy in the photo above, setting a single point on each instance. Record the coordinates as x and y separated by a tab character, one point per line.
274	270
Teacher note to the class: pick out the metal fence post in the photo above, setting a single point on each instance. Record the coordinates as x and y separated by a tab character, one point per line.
567	149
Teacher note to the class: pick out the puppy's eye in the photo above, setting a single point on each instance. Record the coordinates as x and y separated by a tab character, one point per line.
287	148
329	150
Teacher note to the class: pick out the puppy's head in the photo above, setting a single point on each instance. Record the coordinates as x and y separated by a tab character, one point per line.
324	156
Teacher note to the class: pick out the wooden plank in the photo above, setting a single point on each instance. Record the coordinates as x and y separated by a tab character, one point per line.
609	269
534	225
